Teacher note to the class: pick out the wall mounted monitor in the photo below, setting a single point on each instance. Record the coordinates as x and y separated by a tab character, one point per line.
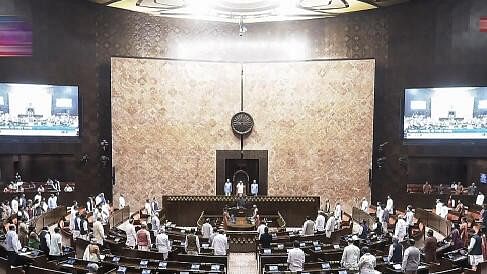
455	113
38	110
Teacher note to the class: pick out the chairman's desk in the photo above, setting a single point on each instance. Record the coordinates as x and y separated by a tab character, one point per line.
293	209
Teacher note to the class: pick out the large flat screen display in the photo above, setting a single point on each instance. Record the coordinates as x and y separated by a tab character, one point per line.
445	113
38	110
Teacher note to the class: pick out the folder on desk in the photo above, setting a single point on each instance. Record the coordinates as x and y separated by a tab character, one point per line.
316	243
144	263
273	268
116	259
162	265
325	266
195	266
215	267
121	270
146	271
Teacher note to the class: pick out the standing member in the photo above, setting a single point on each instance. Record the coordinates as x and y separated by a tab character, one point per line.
295	258
308	227
475	249
192	243
350	256
254	188
143	238
12	245
220	244
121	201
240	188
430	245
55	247
320	222
206	229
131	234
227	188
98	231
411	259
330	226
364	205
163	244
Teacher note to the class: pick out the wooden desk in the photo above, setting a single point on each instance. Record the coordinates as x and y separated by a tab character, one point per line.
293	209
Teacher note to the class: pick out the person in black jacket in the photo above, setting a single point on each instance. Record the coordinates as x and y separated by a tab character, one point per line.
265	238
44	239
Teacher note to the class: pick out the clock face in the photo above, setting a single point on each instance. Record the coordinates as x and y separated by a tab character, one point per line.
242	123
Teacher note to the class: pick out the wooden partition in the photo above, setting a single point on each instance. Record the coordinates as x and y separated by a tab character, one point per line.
49	218
358	215
293	209
118	217
431	220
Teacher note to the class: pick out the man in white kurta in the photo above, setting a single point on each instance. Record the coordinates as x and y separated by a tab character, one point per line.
98	231
320	222
163	244
295	258
330	226
240	188
390	205
220	244
121	201
206	229
131	234
338	215
364	205
401	228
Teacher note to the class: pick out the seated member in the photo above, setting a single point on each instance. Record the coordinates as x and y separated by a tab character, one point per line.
295	258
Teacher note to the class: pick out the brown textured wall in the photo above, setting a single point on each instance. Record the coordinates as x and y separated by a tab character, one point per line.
169	118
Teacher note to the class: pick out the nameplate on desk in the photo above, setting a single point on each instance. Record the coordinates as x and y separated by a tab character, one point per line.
144	263
184	272
35	253
274	235
162	265
116	259
273	268
316	243
183	231
215	267
291	233
342	272
195	266
121	270
336	246
302	244
280	246
146	271
325	266
267	251
70	261
317	248
396	266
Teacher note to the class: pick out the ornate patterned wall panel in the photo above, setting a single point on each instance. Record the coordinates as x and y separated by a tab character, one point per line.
170	117
315	118
168	120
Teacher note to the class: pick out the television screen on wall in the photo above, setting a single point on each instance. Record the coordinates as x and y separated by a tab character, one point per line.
38	110
453	113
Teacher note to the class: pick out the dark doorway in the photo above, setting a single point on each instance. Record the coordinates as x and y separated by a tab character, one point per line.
246	166
245	170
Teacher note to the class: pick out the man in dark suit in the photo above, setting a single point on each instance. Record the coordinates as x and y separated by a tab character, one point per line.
430	245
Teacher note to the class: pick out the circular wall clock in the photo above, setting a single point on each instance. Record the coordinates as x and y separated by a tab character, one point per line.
242	123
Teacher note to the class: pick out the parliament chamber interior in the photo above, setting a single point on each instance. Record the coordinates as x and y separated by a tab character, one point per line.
243	136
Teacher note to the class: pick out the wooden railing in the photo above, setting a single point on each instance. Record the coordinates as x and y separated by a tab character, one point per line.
358	215
49	218
119	216
431	220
